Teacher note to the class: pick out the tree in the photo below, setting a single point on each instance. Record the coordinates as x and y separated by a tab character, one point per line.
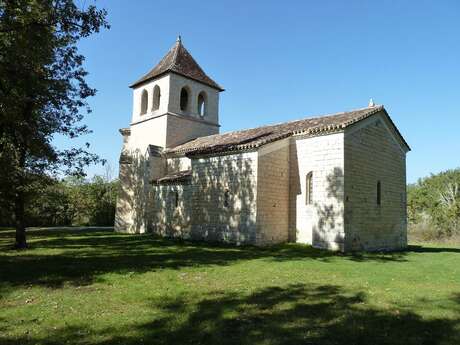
103	196
74	200
51	207
43	93
437	198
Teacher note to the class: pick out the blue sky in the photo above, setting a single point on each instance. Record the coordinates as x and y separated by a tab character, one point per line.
284	60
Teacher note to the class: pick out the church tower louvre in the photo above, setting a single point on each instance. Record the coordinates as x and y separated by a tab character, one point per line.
173	103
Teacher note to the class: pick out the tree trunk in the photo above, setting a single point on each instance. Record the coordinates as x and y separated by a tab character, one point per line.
22	142
19	201
19	223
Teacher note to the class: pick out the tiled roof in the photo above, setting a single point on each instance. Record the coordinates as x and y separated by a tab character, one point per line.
255	137
179	60
180	176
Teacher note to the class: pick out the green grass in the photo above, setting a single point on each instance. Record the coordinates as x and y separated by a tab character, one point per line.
92	286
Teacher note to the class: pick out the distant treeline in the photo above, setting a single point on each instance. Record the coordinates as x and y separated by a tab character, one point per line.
433	205
71	201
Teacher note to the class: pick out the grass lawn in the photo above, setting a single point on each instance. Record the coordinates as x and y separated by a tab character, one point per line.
92	286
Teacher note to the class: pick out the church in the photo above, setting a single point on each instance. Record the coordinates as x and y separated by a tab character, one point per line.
334	181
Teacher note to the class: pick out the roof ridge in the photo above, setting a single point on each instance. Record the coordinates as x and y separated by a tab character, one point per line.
176	48
322	116
257	136
330	115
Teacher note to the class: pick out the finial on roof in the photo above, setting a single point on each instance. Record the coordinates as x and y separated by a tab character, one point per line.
179	39
371	103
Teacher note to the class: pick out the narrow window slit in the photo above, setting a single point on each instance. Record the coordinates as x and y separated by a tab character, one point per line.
309	188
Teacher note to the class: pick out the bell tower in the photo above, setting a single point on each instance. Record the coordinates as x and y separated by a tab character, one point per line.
173	103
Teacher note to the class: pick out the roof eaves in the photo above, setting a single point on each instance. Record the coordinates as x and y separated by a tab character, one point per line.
146	79
232	148
181	176
216	86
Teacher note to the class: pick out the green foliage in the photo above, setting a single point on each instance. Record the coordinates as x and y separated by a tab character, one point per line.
51	207
91	286
435	200
102	196
74	201
43	92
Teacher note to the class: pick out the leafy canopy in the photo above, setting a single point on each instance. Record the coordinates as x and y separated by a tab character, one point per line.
43	90
437	199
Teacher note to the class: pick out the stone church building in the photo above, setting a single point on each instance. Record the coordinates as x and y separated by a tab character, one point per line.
336	181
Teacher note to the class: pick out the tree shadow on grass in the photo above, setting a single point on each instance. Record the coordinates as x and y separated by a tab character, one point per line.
298	314
81	256
125	244
293	314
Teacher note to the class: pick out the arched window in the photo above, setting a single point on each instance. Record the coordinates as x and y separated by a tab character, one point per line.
144	101
309	188
183	99
379	193
202	104
156	98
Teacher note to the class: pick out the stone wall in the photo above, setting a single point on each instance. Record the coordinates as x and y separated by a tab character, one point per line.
176	164
273	193
171	216
124	206
167	130
134	200
149	132
223	201
373	153
321	222
181	129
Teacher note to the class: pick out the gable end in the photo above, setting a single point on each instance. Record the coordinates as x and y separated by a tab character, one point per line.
388	124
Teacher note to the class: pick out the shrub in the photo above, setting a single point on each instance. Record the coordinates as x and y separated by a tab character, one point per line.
74	201
433	205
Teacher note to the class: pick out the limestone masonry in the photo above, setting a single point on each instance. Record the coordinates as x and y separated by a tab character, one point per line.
336	181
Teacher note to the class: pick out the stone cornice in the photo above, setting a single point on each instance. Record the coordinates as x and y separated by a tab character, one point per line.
125	131
185	117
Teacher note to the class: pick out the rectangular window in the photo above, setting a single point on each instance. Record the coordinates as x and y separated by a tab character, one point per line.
379	193
176	199
227	198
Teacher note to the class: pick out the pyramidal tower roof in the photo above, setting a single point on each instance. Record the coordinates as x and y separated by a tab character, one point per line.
180	61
